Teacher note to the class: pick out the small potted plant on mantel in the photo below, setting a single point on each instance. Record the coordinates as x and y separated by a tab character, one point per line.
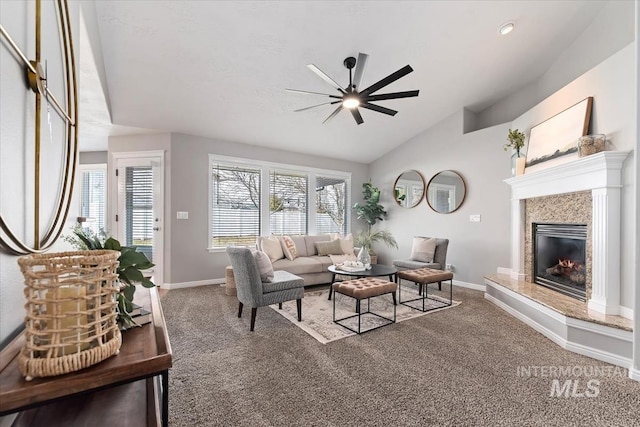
516	142
371	211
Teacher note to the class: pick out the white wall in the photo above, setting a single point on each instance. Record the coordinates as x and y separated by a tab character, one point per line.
635	368
611	83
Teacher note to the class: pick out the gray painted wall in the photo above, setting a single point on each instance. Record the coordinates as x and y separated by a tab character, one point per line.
611	83
93	157
610	31
190	260
475	248
636	322
186	189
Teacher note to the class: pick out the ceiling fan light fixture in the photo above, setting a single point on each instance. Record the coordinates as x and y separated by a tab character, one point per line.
350	102
506	28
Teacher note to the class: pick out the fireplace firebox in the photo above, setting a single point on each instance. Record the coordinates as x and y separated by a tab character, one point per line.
559	258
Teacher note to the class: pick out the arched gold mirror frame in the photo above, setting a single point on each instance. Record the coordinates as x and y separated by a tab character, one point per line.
46	102
446	191
409	195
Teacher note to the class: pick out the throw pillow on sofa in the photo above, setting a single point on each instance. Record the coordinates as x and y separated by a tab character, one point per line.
332	247
272	247
423	249
346	242
289	247
264	265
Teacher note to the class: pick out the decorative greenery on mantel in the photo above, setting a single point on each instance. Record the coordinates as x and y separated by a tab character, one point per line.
516	141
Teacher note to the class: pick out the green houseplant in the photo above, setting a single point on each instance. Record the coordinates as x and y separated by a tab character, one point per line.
129	270
371	212
516	142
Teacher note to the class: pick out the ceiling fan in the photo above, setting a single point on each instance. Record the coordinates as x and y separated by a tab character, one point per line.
352	97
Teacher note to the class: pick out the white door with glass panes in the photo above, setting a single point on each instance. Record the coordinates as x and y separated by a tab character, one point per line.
138	215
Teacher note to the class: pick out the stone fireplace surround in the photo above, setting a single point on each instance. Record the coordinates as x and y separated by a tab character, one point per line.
558	194
600	174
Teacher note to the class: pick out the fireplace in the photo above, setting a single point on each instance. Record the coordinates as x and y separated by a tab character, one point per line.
559	258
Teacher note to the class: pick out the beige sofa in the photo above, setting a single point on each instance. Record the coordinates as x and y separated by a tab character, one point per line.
308	265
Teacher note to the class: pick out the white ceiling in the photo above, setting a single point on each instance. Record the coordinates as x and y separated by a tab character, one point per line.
219	68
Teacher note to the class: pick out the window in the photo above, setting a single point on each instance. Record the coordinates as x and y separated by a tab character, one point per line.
235	207
331	205
251	198
287	203
139	208
93	198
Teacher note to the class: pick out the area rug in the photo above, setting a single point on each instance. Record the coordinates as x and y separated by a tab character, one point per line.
317	312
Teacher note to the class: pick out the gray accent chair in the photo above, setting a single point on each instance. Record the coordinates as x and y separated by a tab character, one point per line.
439	259
251	291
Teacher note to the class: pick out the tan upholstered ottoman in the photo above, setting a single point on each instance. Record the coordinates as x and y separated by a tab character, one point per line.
422	277
364	288
230	281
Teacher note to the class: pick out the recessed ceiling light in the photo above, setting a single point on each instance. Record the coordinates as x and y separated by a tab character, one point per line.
506	28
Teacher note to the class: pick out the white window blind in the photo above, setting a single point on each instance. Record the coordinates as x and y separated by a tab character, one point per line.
288	203
235	205
139	208
331	205
93	196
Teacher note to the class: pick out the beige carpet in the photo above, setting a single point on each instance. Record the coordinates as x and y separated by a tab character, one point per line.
317	312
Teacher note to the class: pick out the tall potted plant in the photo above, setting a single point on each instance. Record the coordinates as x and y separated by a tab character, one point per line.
371	212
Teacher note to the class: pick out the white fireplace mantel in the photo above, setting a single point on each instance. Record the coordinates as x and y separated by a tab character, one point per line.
601	174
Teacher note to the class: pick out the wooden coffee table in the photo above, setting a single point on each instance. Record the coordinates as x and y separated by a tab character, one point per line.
377	270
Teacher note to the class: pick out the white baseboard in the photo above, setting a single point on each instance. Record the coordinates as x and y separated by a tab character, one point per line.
473	286
503	270
182	285
634	374
626	312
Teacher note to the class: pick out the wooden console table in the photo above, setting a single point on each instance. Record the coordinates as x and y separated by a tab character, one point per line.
123	388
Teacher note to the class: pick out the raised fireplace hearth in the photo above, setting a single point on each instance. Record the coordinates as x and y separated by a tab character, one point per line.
559	258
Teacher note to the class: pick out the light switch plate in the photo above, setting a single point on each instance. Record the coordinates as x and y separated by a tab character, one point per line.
182	215
474	218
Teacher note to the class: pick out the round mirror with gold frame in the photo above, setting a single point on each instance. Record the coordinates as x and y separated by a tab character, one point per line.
408	189
446	191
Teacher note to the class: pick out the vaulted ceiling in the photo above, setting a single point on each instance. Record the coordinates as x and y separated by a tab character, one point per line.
219	69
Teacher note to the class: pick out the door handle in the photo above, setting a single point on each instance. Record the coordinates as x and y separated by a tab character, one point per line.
156	228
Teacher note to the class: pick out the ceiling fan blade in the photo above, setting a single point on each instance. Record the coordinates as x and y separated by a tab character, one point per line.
361	63
394	95
357	116
306	92
378	108
314	106
335	112
387	80
325	77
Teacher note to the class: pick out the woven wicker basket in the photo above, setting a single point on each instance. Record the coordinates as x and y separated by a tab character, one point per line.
71	311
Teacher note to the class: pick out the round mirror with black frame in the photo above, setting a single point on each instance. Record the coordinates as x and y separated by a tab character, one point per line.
408	189
446	191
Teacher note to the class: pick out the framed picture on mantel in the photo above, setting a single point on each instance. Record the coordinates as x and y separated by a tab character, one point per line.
555	141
